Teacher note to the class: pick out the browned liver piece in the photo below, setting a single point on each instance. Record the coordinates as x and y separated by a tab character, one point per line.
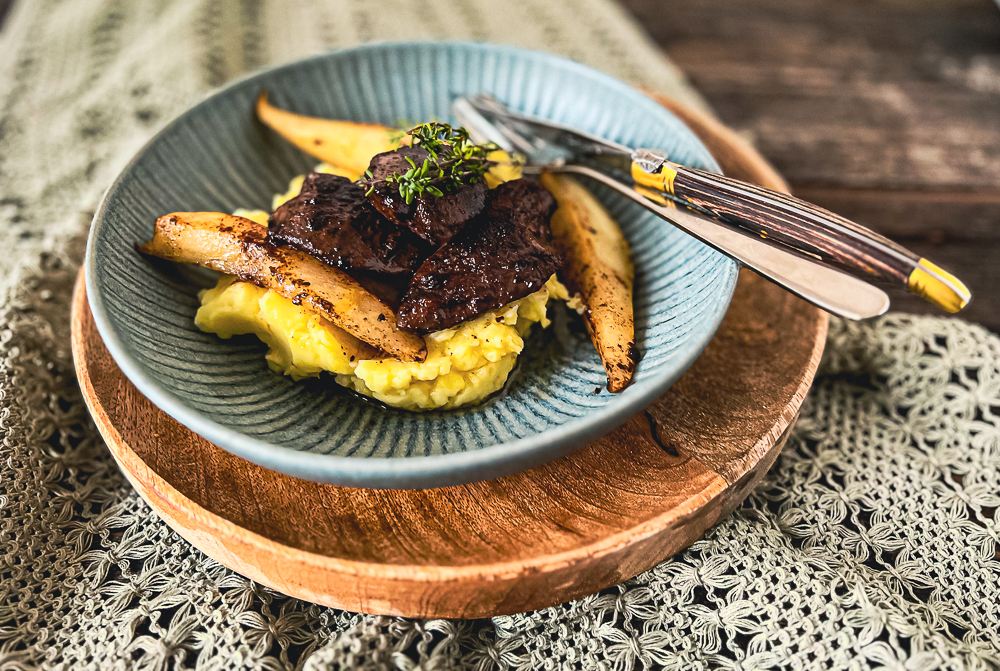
435	219
501	256
333	220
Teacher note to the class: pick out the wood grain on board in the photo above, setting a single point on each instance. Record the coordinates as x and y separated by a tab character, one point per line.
884	111
568	528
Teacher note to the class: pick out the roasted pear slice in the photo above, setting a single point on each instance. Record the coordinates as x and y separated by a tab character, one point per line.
238	246
599	267
345	144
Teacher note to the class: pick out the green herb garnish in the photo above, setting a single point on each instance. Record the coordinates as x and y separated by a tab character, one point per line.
453	161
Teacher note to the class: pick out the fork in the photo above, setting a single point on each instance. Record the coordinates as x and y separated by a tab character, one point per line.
822	257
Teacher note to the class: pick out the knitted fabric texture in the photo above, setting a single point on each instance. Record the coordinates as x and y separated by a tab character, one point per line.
871	544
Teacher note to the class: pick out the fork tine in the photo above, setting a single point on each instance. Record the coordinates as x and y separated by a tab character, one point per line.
480	129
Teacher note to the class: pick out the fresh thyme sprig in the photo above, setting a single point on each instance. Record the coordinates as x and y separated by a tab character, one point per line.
453	160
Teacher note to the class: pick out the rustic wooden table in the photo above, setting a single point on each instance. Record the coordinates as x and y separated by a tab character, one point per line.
885	111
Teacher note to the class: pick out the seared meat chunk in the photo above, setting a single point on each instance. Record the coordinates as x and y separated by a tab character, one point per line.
500	257
434	218
385	197
437	220
527	203
332	220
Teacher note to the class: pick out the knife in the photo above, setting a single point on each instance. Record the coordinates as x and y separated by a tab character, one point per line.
805	232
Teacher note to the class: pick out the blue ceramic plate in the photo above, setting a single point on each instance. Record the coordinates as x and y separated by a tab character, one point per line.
218	157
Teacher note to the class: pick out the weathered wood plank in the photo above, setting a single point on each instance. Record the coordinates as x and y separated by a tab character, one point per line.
887	93
887	112
939	216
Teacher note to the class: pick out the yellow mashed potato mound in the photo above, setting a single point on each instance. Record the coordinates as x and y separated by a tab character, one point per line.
464	364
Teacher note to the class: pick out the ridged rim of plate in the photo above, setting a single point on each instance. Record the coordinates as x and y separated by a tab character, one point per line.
410	472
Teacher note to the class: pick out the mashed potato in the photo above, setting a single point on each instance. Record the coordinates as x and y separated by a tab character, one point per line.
302	343
464	364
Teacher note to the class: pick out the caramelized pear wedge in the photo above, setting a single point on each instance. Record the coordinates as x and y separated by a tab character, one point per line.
238	246
599	267
346	144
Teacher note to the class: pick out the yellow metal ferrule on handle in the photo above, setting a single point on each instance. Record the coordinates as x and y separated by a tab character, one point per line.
662	180
938	286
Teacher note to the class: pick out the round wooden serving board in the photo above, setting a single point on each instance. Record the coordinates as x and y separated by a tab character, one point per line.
534	539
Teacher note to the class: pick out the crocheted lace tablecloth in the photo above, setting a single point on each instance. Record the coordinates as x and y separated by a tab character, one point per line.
871	544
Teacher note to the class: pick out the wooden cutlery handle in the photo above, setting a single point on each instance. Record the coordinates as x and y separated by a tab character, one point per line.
790	222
